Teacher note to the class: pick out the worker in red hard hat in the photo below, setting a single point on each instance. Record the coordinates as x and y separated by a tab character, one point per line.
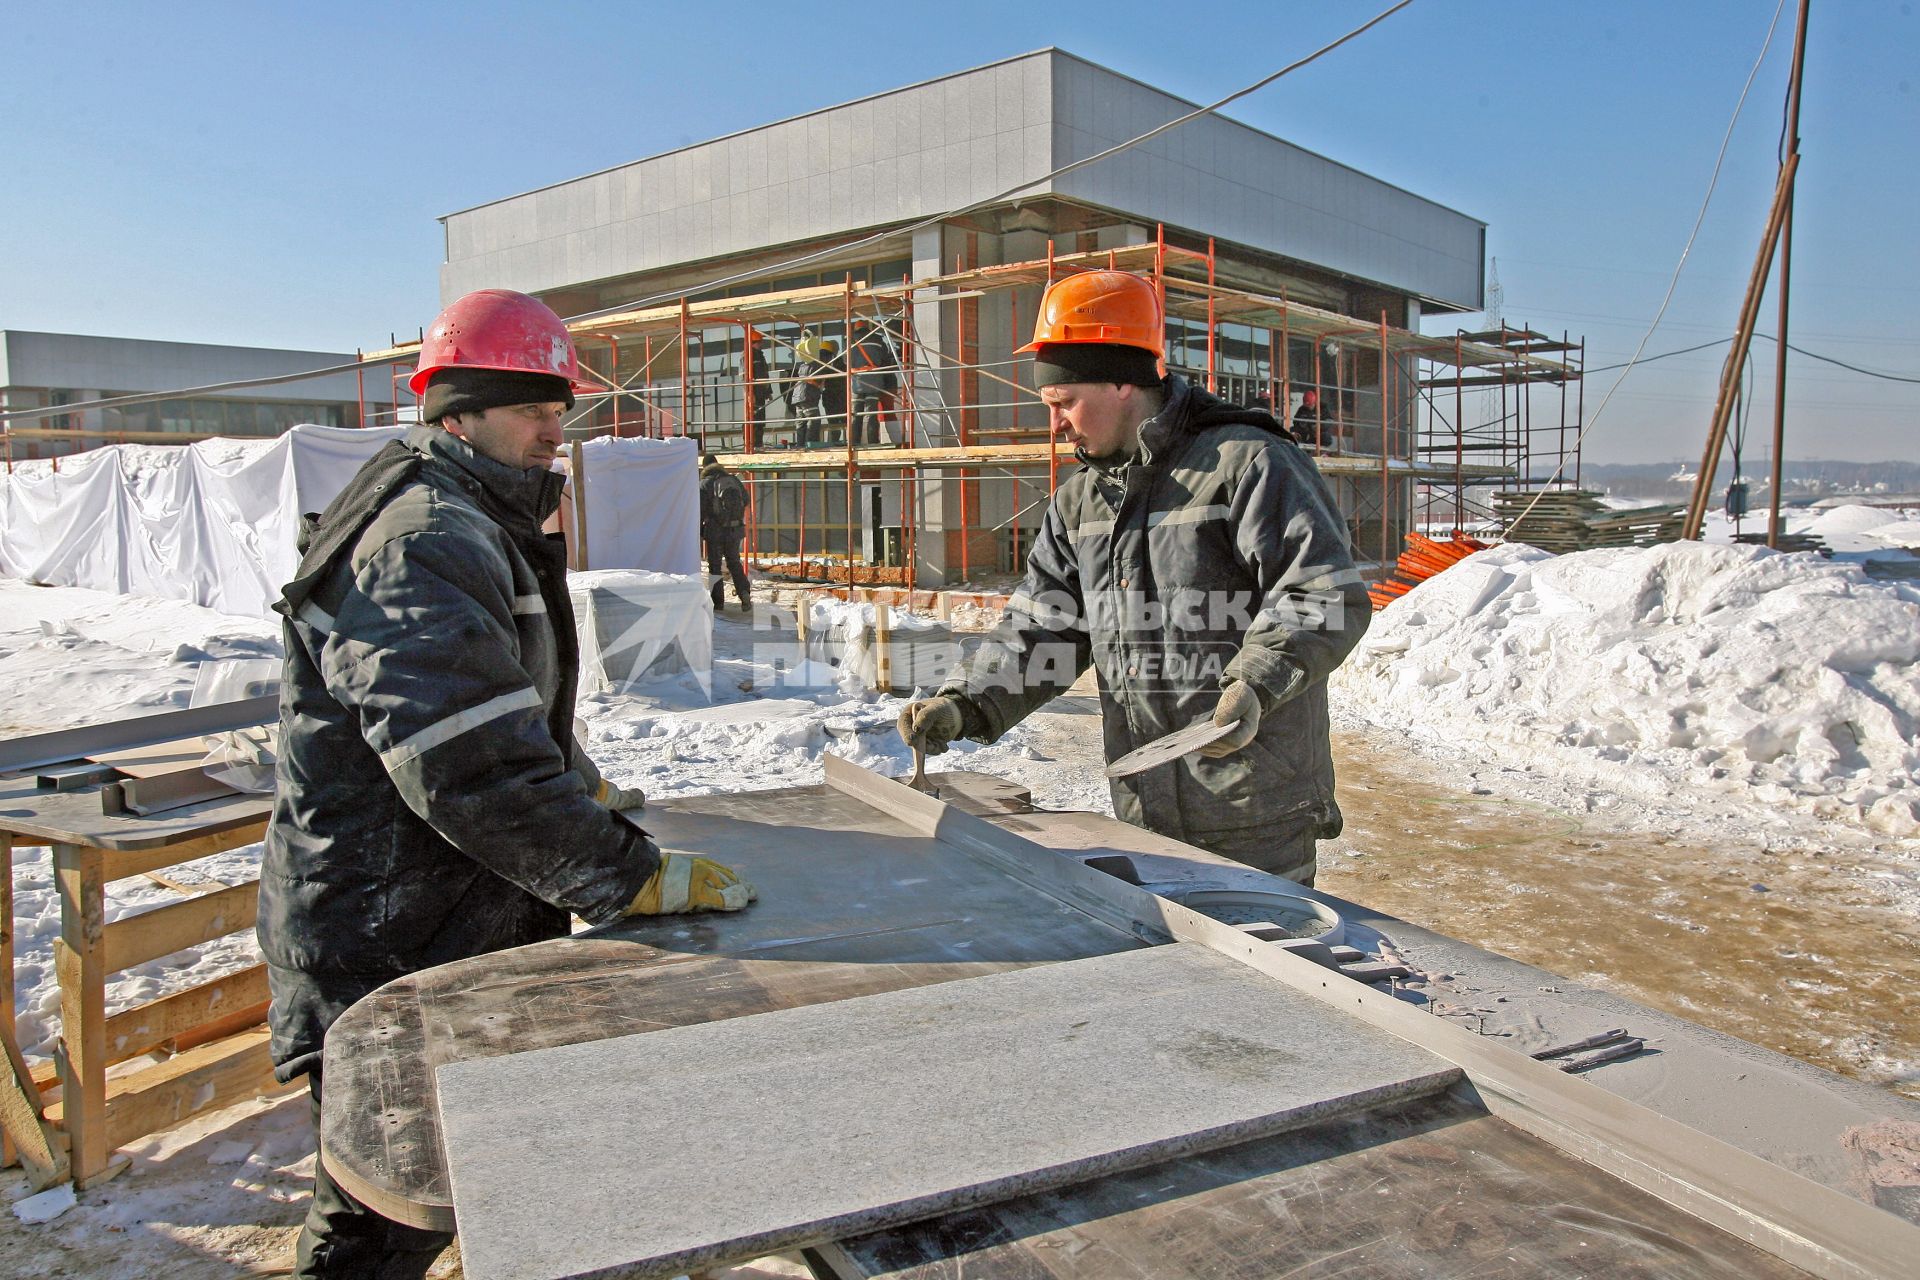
1199	564
431	802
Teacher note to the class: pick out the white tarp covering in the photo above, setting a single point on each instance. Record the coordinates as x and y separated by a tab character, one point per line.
215	523
636	627
643	504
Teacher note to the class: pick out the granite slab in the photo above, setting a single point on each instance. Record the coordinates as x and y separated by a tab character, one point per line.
665	1152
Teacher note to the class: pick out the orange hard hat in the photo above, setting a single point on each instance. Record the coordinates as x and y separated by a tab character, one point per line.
498	329
1114	307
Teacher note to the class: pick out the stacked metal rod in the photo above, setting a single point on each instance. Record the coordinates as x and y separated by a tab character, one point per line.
1423	558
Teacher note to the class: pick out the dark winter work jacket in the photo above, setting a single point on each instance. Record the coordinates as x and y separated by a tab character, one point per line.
1214	553
723	505
431	802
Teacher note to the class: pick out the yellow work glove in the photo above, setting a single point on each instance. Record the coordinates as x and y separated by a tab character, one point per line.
931	723
1239	705
686	883
620	797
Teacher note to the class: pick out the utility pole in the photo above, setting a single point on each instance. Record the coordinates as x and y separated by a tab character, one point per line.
1786	275
1750	310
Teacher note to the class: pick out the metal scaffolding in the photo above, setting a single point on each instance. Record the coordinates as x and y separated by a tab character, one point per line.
958	459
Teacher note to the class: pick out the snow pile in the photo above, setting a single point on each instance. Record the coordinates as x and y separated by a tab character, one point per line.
1850	520
1648	669
70	656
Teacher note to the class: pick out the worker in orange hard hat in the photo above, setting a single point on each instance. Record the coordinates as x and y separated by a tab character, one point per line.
431	803
1199	564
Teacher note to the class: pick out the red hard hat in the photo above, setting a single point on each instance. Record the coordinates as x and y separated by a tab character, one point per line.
497	329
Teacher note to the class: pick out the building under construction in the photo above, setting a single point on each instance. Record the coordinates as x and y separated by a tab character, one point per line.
1286	276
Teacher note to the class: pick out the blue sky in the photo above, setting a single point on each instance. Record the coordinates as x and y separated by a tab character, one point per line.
252	173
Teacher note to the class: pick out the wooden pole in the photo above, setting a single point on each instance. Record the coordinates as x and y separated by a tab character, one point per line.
82	969
1737	357
579	461
846	373
1786	278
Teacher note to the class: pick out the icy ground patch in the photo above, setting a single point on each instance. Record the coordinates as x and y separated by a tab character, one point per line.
1784	680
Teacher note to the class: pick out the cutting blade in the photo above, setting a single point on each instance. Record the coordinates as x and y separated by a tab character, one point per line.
1161	751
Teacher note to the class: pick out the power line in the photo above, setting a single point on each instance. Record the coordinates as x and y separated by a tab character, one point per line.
1791	346
1674	282
894	232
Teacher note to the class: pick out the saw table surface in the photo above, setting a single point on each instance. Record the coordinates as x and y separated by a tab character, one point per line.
852	902
857	899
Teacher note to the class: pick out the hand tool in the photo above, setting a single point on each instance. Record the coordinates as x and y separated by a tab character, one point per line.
919	779
1167	749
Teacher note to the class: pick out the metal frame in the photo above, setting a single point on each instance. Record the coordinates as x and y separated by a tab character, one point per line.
62	745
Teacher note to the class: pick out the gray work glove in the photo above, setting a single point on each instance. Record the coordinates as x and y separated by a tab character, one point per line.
1239	705
931	723
620	797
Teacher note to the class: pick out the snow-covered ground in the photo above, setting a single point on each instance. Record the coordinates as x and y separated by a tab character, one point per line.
231	1185
1692	690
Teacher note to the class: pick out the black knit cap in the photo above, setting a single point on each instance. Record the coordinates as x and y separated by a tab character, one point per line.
1057	363
454	391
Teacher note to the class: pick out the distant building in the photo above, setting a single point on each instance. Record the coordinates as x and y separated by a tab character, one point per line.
849	182
46	370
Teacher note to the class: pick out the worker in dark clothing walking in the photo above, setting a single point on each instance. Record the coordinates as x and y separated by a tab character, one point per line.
723	526
1199	564
431	803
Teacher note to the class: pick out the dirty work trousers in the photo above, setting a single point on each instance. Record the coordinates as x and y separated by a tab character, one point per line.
342	1239
1287	852
725	550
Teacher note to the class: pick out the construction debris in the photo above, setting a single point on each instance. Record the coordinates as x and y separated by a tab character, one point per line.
1787	542
1562	520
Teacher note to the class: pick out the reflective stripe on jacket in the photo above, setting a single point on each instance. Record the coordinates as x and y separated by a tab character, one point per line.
1216	553
431	802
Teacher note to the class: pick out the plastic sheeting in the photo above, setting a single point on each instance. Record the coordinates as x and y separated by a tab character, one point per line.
841	638
643	504
215	523
637	627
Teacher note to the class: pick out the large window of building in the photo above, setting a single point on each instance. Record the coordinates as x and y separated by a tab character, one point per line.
218	417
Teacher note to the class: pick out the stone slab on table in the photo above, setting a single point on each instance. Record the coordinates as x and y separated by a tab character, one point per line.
660	1153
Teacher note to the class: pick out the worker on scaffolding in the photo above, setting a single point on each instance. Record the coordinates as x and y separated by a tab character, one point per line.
875	380
1199	564
431	802
811	391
